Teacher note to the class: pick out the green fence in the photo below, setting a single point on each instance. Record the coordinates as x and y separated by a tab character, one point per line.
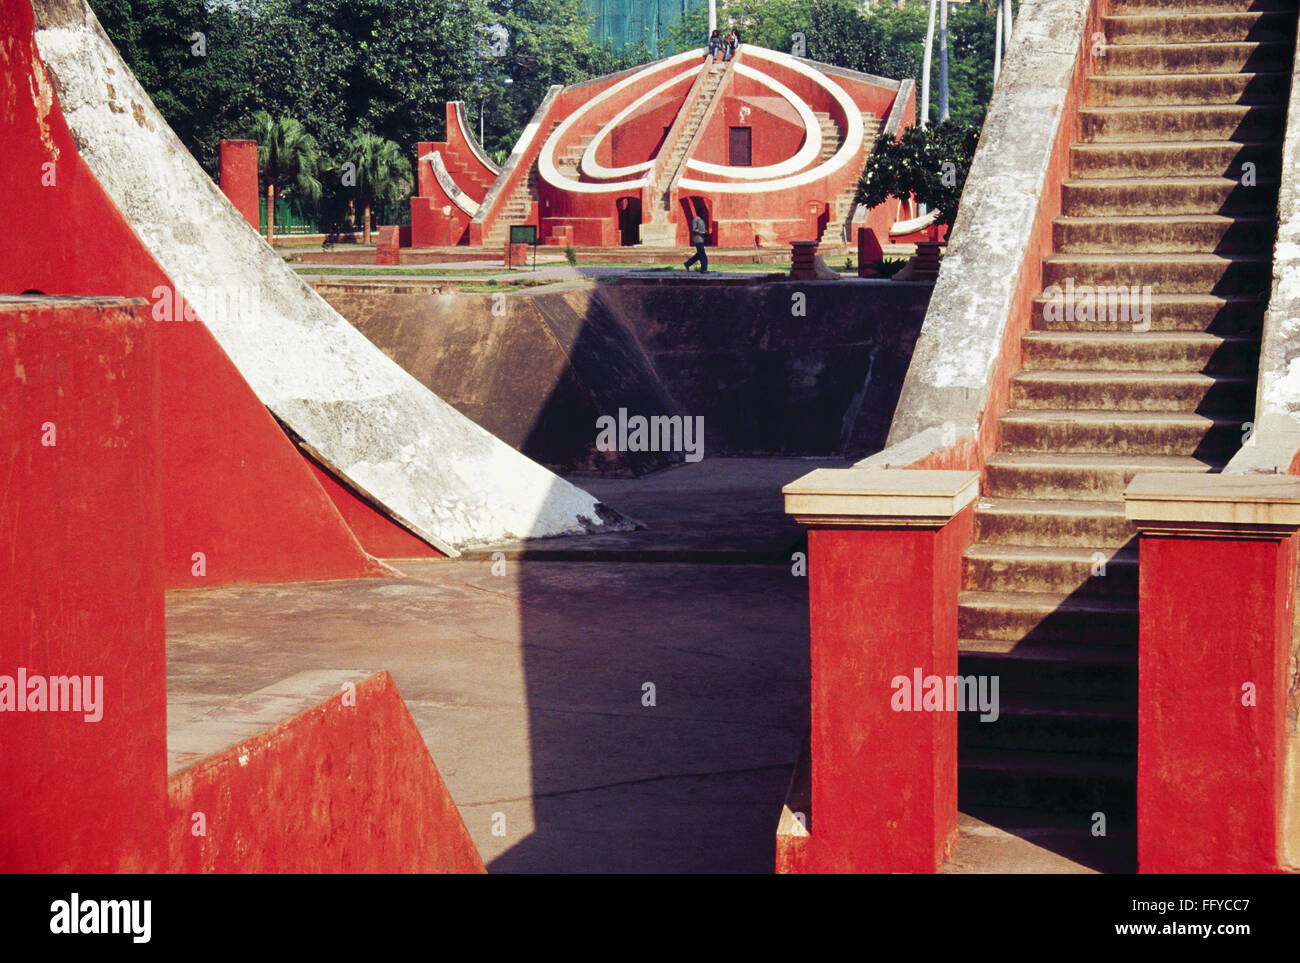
292	216
620	22
296	216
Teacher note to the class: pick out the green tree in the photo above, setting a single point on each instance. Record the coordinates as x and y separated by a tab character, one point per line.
383	174
928	163
887	40
201	84
384	65
288	159
545	42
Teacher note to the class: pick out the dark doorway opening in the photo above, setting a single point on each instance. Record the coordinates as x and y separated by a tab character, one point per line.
740	147
629	221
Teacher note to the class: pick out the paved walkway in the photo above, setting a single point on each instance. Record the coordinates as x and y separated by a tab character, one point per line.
528	682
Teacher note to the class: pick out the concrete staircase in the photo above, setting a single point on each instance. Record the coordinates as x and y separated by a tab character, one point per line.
660	229
1186	93
515	210
832	136
838	225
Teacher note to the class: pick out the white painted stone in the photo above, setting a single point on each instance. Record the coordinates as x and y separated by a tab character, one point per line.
1275	439
435	471
950	379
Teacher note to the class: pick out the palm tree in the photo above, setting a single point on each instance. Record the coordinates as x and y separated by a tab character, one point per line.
287	158
383	174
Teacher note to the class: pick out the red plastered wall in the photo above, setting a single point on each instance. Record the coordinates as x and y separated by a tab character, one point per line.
81	525
235	488
239	178
337	789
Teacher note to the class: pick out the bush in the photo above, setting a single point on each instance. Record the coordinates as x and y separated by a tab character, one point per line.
571	255
929	163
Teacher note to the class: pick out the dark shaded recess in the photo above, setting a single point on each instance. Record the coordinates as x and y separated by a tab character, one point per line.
776	368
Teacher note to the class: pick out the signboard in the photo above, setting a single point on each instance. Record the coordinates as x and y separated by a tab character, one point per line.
523	234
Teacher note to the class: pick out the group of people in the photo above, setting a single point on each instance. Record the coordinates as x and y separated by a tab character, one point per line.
726	47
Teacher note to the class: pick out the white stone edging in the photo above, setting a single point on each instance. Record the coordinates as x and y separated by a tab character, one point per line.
950	379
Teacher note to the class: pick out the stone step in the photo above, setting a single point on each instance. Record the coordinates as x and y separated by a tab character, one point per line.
1056	782
1163	273
1132	391
1165	159
1043	723
1046	617
1135	90
1182	27
1197	122
1076	476
1164	234
1130	196
1106	673
1196	58
1209	437
1221	314
1050	570
1126	7
1096	526
1150	351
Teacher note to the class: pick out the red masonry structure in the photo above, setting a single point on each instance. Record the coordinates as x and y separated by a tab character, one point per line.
884	566
1216	591
239	178
767	148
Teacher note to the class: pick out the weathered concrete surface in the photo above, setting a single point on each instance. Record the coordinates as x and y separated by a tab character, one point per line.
527	689
797	368
322	772
1274	446
719	510
527	686
779	368
530	369
951	376
435	471
1275	441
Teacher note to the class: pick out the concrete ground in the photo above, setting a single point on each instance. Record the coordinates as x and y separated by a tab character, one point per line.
527	677
528	685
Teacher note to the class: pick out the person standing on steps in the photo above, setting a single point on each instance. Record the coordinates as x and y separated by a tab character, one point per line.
698	232
715	45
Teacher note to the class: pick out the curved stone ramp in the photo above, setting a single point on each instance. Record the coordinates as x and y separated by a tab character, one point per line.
432	470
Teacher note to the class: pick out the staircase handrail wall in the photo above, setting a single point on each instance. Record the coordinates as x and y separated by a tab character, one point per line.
958	383
515	168
650	193
1273	446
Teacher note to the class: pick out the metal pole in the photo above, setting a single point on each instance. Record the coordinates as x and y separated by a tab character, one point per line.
997	45
713	16
1006	28
943	60
925	70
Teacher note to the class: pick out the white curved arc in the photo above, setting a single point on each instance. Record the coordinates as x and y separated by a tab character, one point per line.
448	185
475	147
546	168
841	157
592	167
812	143
900	228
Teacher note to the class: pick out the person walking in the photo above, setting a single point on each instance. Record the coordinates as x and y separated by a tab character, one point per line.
698	232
